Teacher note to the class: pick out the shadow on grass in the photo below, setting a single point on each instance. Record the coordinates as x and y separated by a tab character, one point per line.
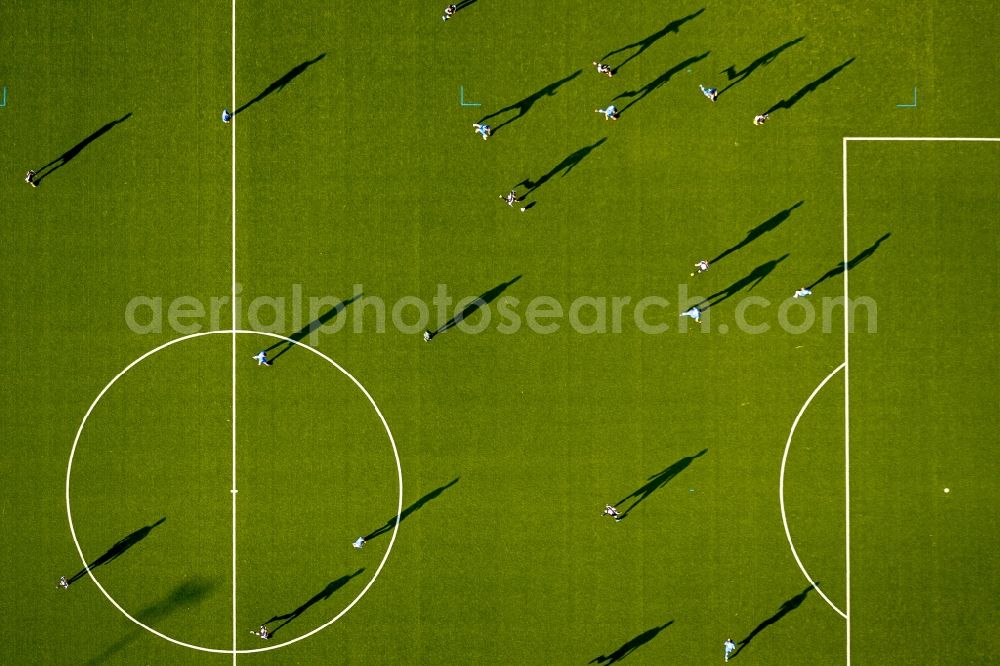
767	225
311	327
568	164
858	258
117	550
638	95
523	106
766	59
657	481
408	511
785	609
808	88
279	84
184	596
646	42
631	646
64	159
323	595
751	280
480	301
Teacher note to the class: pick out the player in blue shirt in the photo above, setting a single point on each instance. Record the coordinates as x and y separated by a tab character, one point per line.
711	93
485	130
730	647
359	543
802	293
261	358
610	113
226	116
694	313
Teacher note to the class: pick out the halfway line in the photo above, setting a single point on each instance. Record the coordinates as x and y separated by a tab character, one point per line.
233	306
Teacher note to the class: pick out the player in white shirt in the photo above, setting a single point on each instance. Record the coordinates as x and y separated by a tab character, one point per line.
604	69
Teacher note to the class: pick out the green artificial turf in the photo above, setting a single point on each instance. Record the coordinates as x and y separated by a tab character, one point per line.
360	193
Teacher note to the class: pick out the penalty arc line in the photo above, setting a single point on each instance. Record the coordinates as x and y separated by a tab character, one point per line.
781	490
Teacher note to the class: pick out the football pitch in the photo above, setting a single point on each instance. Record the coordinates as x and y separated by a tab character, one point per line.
467	273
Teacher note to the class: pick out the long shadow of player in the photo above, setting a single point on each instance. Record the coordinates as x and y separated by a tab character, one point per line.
282	82
767	225
65	158
751	280
659	81
326	593
481	301
117	550
785	609
311	327
459	6
631	646
766	59
408	511
184	596
858	258
646	42
808	88
657	481
523	106
568	164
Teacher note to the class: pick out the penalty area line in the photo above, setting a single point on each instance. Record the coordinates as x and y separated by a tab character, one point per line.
846	365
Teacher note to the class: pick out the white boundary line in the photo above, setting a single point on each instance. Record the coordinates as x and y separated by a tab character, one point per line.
79	549
781	489
232	304
847	431
916	138
847	366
